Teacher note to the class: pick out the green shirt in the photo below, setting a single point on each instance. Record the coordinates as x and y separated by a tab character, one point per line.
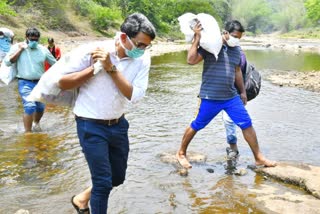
30	64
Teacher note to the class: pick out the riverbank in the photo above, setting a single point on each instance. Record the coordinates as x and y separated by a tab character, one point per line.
305	80
291	78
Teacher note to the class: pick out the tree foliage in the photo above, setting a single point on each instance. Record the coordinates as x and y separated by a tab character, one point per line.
256	15
253	14
313	10
5	9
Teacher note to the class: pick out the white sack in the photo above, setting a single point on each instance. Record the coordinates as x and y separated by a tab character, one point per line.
47	89
211	39
8	73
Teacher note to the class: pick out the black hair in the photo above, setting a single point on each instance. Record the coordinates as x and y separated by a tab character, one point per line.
32	32
136	23
234	25
50	40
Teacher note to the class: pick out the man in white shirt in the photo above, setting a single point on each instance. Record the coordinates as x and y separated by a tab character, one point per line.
101	104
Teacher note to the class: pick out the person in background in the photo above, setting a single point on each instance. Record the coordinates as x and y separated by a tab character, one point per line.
29	57
218	93
234	29
102	102
6	40
54	50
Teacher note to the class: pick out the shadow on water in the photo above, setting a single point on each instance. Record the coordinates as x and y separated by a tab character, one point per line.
40	172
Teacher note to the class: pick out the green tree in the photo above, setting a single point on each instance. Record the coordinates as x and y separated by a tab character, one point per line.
288	15
5	9
253	14
313	10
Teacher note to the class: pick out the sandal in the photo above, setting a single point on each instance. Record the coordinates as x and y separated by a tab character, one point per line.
79	210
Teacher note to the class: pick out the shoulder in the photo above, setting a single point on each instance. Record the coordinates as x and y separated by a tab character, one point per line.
235	51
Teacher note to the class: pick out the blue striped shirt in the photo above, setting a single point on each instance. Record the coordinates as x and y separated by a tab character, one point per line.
218	77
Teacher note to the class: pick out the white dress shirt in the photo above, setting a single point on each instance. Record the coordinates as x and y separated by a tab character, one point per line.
99	97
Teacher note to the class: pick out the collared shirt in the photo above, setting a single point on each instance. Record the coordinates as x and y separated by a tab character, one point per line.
218	76
30	64
99	97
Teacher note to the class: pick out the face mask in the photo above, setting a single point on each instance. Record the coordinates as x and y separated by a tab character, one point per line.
134	52
32	44
232	41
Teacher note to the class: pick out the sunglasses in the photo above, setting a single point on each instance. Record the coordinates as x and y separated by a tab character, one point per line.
33	40
141	45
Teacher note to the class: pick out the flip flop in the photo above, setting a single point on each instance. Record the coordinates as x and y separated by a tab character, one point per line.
79	210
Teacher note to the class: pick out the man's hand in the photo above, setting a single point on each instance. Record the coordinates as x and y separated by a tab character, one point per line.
197	29
244	98
103	57
22	45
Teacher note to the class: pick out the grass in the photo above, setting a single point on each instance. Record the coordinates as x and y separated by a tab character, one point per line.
308	33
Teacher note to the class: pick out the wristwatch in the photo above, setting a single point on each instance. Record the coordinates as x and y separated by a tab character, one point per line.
113	69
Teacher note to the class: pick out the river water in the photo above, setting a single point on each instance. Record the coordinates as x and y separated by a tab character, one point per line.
40	172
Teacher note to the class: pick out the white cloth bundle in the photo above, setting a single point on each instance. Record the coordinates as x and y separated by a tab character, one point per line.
211	39
47	89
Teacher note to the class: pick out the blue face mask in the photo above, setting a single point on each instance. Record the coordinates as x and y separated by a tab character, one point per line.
134	52
32	44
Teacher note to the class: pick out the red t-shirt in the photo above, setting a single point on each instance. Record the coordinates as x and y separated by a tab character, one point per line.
56	52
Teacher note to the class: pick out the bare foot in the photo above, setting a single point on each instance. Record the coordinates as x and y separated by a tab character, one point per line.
81	204
266	163
182	159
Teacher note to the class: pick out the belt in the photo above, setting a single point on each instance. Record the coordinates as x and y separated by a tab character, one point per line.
105	122
28	80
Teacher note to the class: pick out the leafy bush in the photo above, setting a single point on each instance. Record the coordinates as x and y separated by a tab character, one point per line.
5	9
102	18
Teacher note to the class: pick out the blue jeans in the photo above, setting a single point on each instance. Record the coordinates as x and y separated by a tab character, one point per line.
25	87
106	150
231	128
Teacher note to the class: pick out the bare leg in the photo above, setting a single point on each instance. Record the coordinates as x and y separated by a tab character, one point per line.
27	122
234	147
182	152
82	199
37	117
251	137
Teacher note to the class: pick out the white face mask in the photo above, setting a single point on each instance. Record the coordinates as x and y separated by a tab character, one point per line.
232	41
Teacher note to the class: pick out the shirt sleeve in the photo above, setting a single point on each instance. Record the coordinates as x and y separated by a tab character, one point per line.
140	82
49	58
243	63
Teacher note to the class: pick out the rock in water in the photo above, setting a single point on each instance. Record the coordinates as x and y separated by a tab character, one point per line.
193	157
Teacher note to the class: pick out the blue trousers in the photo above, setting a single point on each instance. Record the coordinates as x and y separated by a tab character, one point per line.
210	108
106	150
25	87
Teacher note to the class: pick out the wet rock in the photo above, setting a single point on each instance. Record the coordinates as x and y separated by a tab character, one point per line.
241	172
272	199
302	175
210	170
21	211
183	172
193	157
